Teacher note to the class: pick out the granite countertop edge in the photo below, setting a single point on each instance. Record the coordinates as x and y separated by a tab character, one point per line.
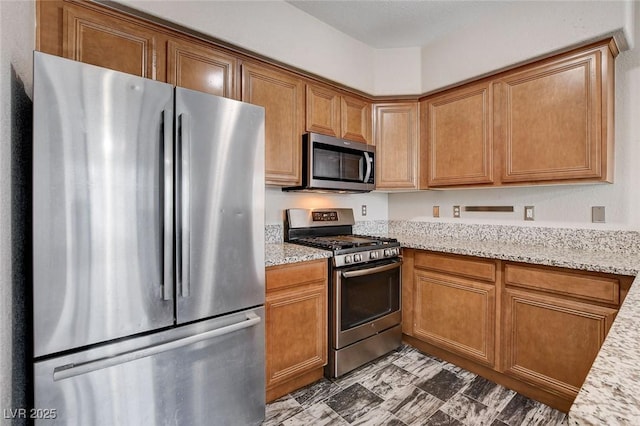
285	253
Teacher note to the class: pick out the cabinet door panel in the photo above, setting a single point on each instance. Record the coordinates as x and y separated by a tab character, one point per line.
296	332
396	141
455	314
201	68
552	342
282	96
106	41
323	111
356	119
551	121
459	142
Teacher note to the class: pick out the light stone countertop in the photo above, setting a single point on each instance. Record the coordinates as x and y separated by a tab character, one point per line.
609	262
283	253
611	392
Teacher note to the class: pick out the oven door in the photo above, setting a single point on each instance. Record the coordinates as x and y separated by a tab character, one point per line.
365	301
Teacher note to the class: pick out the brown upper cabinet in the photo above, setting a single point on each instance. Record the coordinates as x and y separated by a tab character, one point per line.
103	39
200	67
554	120
334	114
282	96
396	141
548	121
456	128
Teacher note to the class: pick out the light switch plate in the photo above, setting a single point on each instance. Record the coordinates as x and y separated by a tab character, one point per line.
436	211
597	214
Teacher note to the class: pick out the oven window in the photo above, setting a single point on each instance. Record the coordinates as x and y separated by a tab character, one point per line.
368	297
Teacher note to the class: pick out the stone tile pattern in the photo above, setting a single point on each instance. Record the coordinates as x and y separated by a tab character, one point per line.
407	387
273	234
371	227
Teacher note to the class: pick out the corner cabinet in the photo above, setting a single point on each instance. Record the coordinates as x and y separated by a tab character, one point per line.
554	323
296	326
554	120
534	329
283	97
458	137
396	141
455	304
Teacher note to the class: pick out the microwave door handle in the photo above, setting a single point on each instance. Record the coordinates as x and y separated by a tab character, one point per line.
367	159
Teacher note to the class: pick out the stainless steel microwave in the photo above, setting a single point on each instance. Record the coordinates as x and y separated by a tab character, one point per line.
336	165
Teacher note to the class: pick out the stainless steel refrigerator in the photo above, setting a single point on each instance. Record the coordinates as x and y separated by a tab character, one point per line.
148	251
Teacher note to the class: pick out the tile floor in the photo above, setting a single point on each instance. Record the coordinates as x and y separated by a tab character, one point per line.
407	387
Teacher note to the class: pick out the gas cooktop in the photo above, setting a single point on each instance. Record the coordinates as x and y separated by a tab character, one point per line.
332	229
343	243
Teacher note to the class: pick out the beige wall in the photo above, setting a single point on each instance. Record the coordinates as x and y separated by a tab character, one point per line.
17	23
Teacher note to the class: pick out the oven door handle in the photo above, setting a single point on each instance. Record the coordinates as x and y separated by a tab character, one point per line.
370	271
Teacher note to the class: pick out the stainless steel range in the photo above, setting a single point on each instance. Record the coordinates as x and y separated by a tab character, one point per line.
364	290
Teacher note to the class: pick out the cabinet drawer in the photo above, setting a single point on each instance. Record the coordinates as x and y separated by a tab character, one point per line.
580	285
458	265
283	276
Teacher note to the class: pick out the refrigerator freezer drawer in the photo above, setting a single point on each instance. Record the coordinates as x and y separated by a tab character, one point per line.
211	372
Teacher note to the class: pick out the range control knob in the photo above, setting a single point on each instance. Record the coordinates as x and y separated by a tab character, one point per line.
357	258
373	255
347	259
387	252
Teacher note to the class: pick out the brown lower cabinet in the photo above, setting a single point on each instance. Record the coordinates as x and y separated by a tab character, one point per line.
296	326
534	329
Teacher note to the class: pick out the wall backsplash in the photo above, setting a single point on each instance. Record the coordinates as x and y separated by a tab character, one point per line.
277	201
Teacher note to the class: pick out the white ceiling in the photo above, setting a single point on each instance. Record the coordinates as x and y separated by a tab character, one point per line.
400	23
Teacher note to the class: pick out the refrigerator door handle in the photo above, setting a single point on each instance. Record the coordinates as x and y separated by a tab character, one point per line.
182	245
73	370
167	182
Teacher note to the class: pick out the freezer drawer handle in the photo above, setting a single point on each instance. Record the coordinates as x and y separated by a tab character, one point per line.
72	370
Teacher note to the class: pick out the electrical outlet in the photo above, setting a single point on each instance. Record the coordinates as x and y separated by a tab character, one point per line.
436	211
364	210
456	211
597	214
528	213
